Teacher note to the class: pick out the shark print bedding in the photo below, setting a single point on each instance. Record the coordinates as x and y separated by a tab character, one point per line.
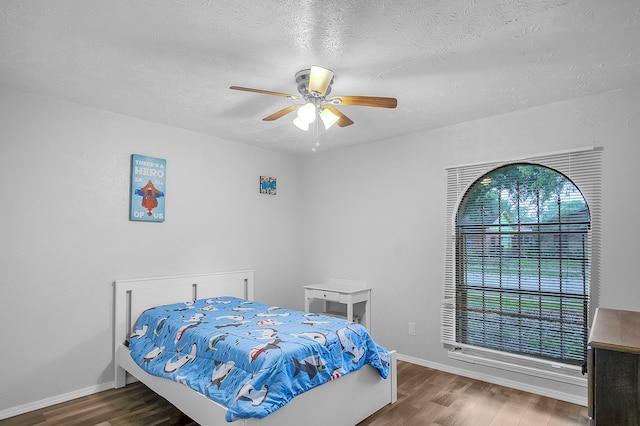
250	357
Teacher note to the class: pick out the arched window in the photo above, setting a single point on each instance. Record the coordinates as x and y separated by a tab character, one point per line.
522	256
522	264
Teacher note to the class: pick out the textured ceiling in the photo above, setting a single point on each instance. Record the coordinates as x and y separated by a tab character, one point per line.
446	61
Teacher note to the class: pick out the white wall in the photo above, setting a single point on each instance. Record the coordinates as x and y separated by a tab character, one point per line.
378	212
65	233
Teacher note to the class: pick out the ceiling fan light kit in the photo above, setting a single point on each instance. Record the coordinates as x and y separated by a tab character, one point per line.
307	113
314	85
301	124
328	118
320	80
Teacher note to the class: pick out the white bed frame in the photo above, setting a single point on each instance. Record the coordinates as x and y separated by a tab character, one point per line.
345	401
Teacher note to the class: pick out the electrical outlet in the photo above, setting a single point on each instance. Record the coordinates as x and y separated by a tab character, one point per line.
412	329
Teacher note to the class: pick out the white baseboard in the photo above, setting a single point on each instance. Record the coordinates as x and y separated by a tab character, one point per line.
47	402
574	399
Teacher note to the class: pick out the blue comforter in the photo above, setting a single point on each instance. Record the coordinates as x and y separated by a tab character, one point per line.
250	357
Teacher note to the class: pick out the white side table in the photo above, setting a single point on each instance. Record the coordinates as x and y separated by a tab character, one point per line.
348	292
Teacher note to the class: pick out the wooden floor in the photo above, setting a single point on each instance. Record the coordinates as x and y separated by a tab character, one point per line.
433	397
425	397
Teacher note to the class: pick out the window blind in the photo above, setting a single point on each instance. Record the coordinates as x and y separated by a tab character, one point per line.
494	292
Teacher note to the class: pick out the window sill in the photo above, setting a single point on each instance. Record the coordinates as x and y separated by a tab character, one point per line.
520	364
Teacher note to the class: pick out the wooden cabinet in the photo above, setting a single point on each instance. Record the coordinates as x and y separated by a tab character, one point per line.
614	367
345	292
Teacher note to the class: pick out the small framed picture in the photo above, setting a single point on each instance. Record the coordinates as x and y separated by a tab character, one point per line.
267	185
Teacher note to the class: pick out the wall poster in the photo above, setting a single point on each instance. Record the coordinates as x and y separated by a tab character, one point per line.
148	186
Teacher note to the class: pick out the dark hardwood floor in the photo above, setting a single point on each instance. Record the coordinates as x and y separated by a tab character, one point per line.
425	397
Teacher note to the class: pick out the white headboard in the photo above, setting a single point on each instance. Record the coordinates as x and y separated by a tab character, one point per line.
133	296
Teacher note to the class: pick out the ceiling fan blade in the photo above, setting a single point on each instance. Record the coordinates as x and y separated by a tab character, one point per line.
319	80
266	92
370	101
343	121
283	111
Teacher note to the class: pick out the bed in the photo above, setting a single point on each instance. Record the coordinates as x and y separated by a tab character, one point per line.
344	401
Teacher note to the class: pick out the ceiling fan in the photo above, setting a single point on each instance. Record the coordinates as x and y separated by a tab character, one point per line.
314	86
